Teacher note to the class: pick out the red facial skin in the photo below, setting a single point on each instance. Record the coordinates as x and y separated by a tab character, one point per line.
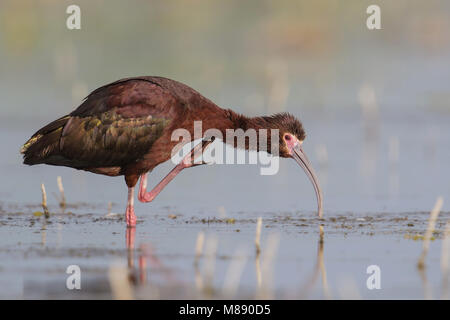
291	142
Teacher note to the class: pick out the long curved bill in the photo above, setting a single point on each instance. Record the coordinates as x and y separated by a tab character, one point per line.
303	161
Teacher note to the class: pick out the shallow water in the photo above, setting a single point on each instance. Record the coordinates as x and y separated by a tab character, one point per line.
371	218
374	105
35	254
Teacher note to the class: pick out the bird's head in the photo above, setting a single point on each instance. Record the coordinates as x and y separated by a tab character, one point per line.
292	135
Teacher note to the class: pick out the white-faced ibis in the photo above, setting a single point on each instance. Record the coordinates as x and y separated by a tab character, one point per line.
124	128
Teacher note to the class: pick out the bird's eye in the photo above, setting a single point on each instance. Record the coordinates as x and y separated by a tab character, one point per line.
287	137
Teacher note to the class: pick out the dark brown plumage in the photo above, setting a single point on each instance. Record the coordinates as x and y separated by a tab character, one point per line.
125	127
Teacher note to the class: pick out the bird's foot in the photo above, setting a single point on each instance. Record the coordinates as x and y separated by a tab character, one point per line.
130	217
189	163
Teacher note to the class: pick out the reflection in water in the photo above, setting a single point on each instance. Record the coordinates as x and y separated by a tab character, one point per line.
266	271
147	254
198	253
130	238
258	270
347	288
199	246
321	263
59	228
147	258
429	232
445	261
142	264
258	235
234	272
198	277
427	291
44	232
258	253
121	288
426	245
121	277
318	269
204	279
115	275
210	264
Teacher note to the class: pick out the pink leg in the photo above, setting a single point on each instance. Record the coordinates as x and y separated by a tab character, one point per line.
129	214
187	162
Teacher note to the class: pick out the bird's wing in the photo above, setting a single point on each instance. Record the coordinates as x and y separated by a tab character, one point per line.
116	125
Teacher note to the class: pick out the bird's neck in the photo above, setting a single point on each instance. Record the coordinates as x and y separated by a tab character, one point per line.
245	128
233	128
243	122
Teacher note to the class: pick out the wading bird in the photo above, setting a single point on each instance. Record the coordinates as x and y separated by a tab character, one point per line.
124	128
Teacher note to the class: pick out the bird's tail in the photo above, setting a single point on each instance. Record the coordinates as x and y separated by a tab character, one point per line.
44	143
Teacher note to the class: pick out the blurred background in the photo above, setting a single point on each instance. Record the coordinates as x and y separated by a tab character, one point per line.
375	103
